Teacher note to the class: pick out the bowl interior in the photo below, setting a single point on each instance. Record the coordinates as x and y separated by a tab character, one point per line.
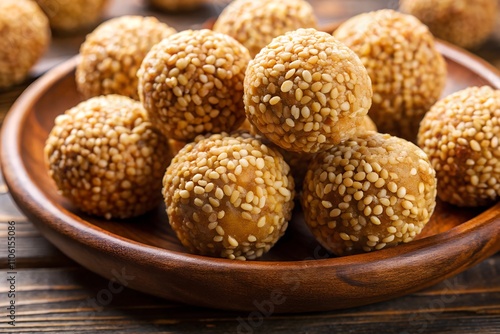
153	229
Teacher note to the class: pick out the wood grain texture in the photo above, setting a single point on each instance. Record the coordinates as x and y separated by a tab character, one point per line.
71	299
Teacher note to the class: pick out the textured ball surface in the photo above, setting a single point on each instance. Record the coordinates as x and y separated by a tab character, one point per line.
460	134
191	83
112	54
368	193
25	35
299	161
70	16
254	23
107	158
306	91
462	22
228	196
407	72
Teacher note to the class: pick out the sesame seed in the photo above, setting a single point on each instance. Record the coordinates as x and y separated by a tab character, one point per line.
306	75
261	222
184	194
286	86
274	100
375	220
335	213
377	210
344	236
474	145
407	204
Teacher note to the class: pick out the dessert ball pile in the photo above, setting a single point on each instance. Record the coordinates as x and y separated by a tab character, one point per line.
258	128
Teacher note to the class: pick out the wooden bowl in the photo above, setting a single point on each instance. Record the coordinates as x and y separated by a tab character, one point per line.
297	275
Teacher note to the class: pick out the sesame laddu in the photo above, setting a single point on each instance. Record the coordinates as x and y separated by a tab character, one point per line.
306	91
25	36
229	196
408	73
191	83
460	134
111	55
254	23
368	193
107	158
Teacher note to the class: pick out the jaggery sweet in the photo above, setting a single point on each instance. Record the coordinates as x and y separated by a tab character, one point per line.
25	35
306	91
407	71
254	23
462	22
228	195
191	83
72	16
107	158
112	54
460	134
368	193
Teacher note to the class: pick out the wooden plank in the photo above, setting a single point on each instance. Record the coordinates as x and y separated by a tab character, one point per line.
76	300
32	249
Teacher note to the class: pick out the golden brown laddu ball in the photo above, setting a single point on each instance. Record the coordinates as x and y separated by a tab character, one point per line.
465	23
112	54
368	193
73	16
25	36
408	73
191	83
254	23
460	134
229	195
306	91
107	158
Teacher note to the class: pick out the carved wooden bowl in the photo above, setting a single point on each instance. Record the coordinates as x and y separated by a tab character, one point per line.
297	275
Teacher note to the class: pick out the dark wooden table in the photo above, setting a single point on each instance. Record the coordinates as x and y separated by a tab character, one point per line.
53	293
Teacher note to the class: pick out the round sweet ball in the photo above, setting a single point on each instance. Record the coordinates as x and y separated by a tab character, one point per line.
177	5
72	16
407	71
465	23
306	91
107	158
368	193
460	134
191	83
112	54
229	196
25	37
255	23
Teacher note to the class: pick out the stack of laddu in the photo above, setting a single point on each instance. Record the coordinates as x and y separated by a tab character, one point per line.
234	122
